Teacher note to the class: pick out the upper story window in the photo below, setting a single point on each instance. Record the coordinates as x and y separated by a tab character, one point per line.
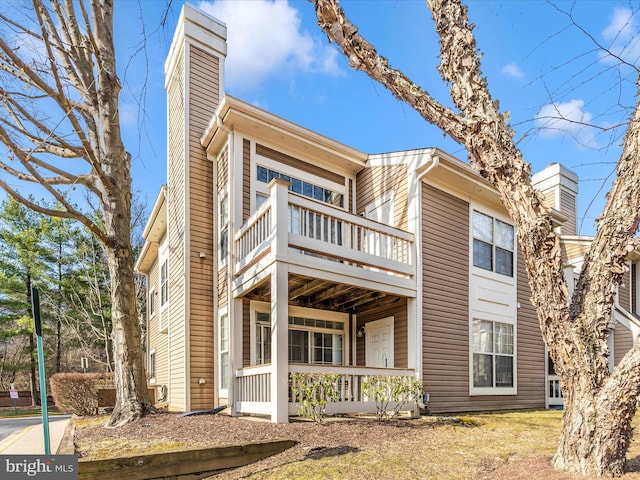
164	282
493	244
223	223
265	175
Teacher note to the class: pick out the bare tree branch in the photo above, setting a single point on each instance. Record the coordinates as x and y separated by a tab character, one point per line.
363	56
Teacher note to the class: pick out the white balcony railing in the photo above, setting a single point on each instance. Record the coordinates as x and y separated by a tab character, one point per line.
322	230
555	391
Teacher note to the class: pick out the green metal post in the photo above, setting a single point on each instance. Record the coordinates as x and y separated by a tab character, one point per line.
35	298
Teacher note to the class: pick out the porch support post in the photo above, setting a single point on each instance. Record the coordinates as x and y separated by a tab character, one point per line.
414	347
279	304
235	351
279	345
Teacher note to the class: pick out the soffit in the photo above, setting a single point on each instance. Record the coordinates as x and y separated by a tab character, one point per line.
461	179
326	295
257	124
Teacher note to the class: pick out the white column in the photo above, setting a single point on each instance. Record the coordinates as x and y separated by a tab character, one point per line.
235	351
279	344
279	303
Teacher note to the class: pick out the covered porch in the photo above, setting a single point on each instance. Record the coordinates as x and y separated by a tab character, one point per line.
318	290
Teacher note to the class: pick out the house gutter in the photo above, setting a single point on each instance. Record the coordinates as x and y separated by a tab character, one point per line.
422	171
215	126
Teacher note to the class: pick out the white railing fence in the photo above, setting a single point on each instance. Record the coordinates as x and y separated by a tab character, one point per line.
253	393
555	390
253	390
321	229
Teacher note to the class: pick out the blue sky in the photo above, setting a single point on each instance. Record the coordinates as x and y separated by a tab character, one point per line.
542	61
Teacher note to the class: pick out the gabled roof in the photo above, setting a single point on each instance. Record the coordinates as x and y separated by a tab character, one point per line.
457	175
154	230
234	114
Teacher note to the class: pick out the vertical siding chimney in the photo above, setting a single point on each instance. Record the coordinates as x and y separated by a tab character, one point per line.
559	187
194	84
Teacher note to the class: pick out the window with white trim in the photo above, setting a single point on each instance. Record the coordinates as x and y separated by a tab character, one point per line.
493	354
296	185
310	340
152	366
223	350
164	282
263	338
151	302
493	244
223	224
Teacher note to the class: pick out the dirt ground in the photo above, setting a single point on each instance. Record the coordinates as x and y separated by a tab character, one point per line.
336	439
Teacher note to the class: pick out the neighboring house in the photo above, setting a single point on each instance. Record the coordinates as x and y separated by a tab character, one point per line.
274	250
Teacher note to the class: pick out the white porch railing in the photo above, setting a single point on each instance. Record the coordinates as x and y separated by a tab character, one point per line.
555	391
322	230
253	390
349	386
253	395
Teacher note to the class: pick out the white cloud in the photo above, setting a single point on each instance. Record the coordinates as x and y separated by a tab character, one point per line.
622	36
567	119
512	70
265	38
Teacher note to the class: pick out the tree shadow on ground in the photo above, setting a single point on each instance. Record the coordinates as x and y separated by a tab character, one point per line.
633	464
321	452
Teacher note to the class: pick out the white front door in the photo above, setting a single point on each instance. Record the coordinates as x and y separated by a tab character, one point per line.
379	343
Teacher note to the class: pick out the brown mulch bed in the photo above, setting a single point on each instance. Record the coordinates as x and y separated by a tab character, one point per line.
336	437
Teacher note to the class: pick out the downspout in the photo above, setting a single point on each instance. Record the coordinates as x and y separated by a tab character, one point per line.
419	334
229	279
231	310
187	230
168	311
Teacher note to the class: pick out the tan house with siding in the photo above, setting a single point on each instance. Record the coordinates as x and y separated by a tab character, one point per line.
274	250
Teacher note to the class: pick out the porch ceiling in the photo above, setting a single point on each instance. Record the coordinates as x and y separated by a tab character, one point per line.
326	295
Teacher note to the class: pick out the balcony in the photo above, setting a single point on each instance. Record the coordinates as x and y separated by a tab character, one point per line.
322	242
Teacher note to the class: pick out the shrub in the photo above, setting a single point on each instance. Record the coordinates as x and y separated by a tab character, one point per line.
391	394
313	391
76	393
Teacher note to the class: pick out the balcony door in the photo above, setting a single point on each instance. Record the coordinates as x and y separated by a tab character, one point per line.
379	343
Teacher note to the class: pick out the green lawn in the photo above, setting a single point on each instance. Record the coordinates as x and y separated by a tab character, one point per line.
451	451
6	412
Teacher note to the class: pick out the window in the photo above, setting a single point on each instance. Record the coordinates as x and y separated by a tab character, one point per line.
224	351
263	338
493	244
164	282
493	354
152	302
152	365
265	175
223	223
310	340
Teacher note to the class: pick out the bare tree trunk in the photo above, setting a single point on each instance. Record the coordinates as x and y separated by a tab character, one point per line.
132	397
598	406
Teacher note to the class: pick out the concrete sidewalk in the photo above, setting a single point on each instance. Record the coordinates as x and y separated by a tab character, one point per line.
30	440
